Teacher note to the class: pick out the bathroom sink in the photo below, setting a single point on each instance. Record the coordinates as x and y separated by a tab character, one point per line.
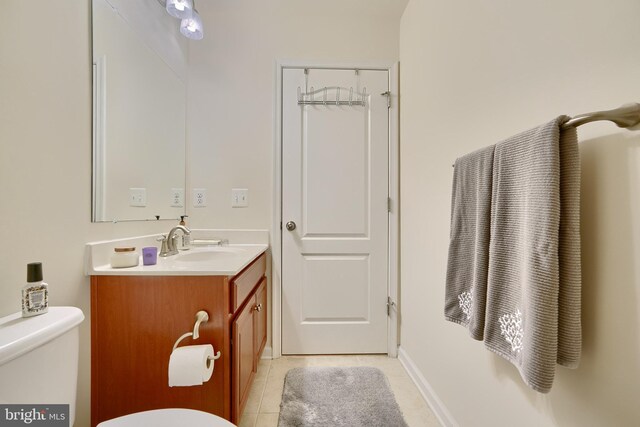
225	260
208	254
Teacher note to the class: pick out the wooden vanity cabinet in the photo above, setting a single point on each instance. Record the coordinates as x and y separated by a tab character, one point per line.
249	339
261	320
135	320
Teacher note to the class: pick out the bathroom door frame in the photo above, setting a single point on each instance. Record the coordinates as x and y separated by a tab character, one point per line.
393	286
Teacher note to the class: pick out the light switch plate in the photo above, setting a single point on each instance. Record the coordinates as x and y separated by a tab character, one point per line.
138	197
199	197
239	197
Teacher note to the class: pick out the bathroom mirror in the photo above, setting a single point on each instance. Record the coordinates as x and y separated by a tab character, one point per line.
139	112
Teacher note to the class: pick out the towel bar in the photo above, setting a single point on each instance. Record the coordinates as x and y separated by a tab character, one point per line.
626	116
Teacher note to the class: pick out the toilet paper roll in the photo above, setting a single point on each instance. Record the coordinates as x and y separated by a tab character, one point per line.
188	365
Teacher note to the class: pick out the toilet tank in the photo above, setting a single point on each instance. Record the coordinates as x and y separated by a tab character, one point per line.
39	358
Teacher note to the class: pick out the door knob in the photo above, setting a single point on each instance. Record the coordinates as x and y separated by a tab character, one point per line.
291	225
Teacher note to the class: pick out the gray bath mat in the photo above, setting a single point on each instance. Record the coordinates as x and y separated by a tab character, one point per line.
335	397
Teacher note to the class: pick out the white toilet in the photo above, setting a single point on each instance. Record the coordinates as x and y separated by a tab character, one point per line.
39	365
168	418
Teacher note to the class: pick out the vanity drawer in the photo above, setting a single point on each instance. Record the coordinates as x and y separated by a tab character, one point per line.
245	281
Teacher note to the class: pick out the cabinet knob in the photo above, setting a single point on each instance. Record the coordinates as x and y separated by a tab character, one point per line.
258	307
290	225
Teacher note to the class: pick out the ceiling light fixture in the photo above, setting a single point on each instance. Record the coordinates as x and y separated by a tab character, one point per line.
191	27
180	9
191	22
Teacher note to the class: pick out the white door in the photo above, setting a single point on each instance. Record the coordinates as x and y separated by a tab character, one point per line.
335	169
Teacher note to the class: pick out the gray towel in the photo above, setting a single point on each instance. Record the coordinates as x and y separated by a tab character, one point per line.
533	291
467	269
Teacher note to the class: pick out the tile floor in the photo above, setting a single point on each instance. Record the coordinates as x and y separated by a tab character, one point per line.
263	405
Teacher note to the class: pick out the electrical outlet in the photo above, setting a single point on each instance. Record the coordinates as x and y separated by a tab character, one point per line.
138	197
199	197
177	197
239	197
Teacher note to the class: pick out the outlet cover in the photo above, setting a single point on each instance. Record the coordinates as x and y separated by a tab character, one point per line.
177	197
239	197
199	197
138	197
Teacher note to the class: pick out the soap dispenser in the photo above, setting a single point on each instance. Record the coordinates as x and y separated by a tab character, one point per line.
185	240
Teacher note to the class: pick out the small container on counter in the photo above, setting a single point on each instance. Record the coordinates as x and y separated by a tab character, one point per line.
150	255
184	241
125	257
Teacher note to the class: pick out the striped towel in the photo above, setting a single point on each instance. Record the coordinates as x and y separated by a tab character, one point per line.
467	269
533	292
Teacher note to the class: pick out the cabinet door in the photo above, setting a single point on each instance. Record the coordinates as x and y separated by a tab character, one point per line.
260	320
135	321
243	355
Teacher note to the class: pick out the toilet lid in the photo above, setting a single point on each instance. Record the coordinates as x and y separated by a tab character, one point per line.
168	418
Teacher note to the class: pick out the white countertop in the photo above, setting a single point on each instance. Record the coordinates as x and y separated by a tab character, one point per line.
227	260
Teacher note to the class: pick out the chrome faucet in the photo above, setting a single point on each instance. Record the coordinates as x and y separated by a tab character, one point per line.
169	243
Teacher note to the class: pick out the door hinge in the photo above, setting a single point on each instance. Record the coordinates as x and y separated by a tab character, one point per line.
390	304
280	225
388	204
388	95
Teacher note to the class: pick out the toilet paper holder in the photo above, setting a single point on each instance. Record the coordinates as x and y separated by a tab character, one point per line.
201	317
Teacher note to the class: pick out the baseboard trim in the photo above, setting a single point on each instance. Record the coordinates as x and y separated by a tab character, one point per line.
429	395
267	353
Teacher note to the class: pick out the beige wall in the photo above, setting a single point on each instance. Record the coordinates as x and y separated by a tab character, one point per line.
45	126
232	88
473	73
45	159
